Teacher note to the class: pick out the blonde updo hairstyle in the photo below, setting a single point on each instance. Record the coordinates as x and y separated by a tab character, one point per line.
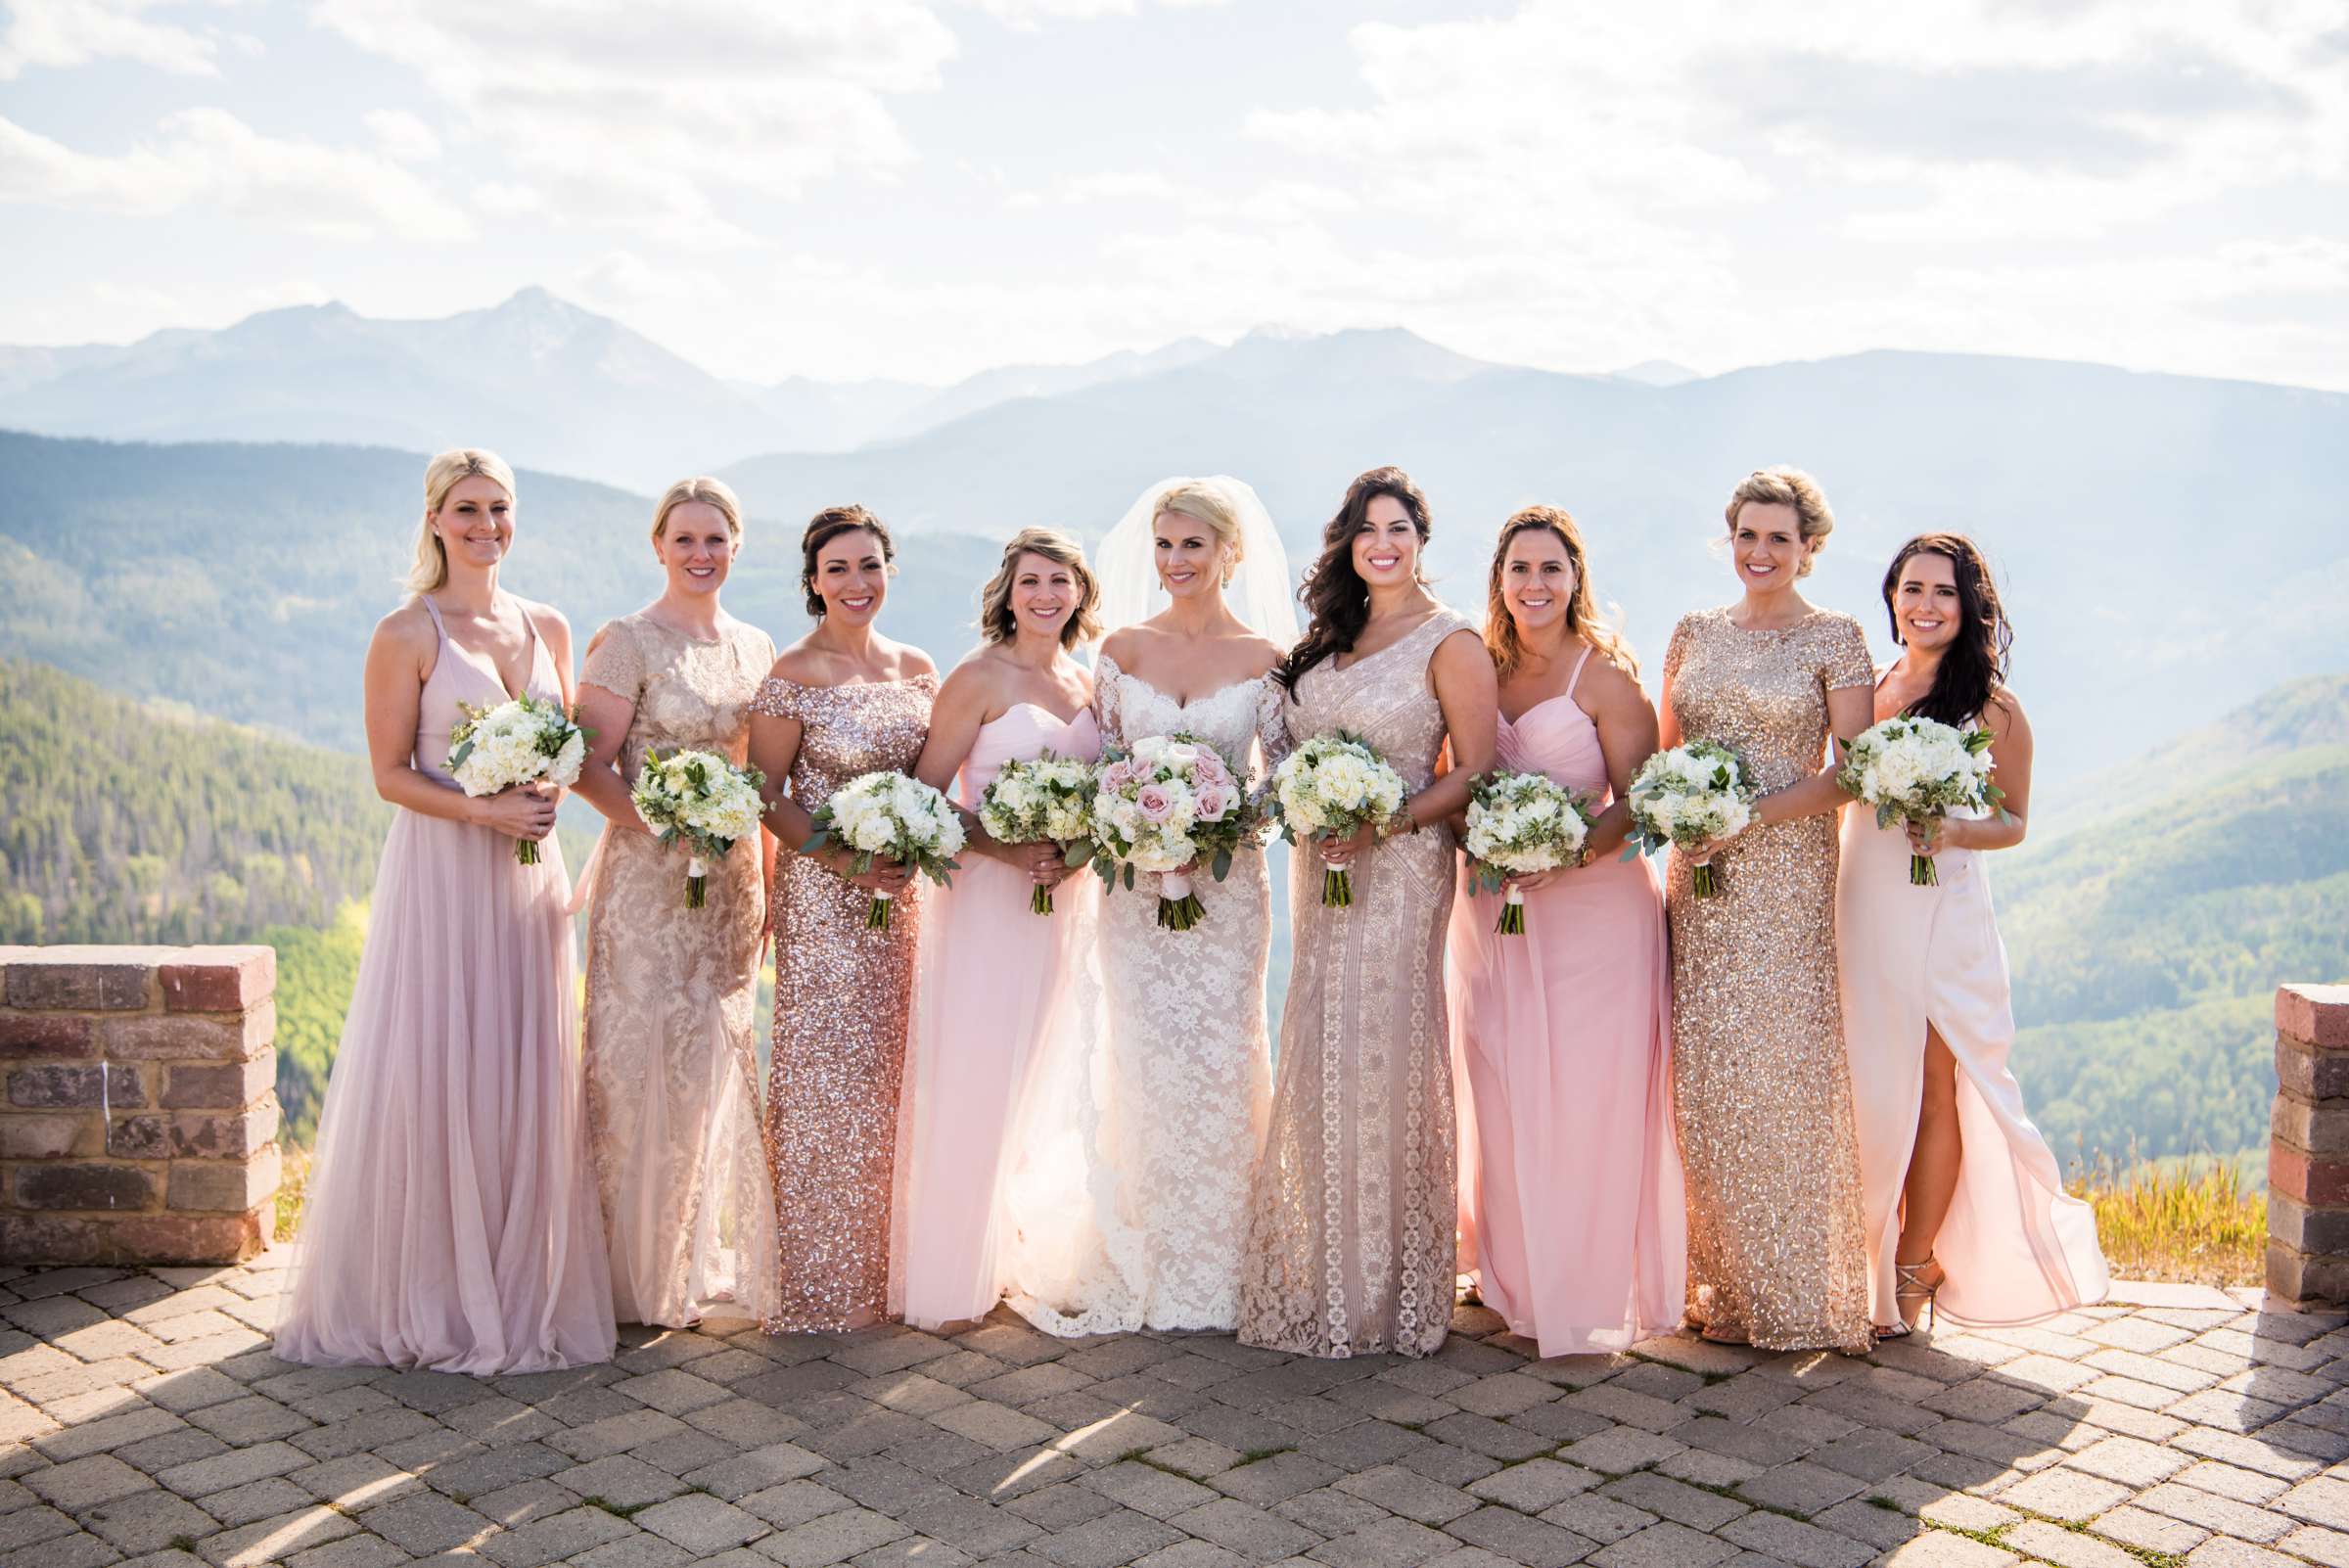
704	490
1203	502
996	622
429	573
1788	486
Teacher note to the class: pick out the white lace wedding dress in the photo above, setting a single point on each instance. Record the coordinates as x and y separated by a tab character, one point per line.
1133	1206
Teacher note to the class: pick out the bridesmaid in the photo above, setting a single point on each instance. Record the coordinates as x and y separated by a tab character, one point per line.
997	982
452	1223
1349	1239
1562	1032
842	701
1925	995
672	1071
1776	1256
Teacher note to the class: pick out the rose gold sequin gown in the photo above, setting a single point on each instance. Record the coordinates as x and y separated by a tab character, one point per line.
1777	1253
843	996
1351	1246
671	1048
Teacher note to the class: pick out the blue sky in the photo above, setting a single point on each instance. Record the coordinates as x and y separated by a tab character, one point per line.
861	188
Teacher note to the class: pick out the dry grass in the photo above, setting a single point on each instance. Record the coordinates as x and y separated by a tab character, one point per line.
292	1187
2193	1220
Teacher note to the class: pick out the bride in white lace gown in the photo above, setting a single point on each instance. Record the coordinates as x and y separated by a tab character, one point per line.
1133	1207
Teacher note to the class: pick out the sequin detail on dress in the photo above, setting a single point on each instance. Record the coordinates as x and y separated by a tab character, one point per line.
842	1000
1760	1084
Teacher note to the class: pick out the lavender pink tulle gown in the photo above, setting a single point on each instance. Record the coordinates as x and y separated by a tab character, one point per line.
995	996
1571	1209
2015	1246
452	1222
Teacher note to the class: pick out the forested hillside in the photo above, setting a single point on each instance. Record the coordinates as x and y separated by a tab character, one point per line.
129	821
2148	944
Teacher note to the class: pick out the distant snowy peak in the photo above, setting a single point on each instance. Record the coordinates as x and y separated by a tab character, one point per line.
1658	373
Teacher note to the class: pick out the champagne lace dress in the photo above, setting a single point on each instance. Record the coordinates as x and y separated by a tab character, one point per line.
843	996
672	1068
1351	1246
1763	1091
1136	1197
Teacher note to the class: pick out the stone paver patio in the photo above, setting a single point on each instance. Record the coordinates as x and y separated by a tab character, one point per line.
144	1420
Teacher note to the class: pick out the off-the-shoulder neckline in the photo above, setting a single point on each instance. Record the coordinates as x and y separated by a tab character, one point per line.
854	685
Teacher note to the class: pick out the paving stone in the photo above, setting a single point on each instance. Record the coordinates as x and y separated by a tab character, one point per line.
1521	1539
148	1521
834	1537
511	1507
1620	1451
743	1473
1598	1518
620	1480
1535	1485
980	1529
2328	1547
256	1500
2322	1500
1147	1489
2129	1462
1246	1529
1408	1492
1937	1549
1189	1554
1800	1488
1665	1545
1273	1479
236	1467
2224	1515
426	1523
1388	1544
562	1535
1667	1498
275	1539
2150	1531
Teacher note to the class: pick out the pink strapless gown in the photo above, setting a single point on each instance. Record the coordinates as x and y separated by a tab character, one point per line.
2015	1246
1571	1209
996	982
453	1222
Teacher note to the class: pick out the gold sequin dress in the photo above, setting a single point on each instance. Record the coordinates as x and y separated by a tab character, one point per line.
1351	1239
1776	1251
671	1046
843	996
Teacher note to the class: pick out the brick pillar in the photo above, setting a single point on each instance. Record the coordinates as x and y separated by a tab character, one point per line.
140	1119
2307	1149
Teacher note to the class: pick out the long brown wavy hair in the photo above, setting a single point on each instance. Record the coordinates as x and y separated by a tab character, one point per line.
1583	619
1336	599
1974	665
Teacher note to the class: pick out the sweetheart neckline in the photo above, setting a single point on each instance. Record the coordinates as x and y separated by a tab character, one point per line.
1186	706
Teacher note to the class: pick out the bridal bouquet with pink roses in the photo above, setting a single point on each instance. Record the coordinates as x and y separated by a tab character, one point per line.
1163	807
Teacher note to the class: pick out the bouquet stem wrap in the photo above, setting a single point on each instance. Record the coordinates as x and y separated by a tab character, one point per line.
1337	888
696	883
1178	907
1704	880
876	913
1512	913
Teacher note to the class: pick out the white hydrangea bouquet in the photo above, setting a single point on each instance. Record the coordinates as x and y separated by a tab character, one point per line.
702	799
519	741
1044	798
1520	824
1920	770
1330	787
893	815
1688	795
1170	801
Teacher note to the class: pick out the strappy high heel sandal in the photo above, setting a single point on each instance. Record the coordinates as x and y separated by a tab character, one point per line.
1910	1285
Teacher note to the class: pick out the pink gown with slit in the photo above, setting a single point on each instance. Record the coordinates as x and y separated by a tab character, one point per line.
452	1222
2015	1246
1572	1218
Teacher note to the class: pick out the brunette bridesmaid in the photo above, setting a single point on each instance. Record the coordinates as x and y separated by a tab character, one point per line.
672	1071
840	702
1561	1034
452	1222
997	988
1349	1240
1776	1254
1966	1205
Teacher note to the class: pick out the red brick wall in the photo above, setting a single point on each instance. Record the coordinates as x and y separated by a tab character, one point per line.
139	1121
2308	1148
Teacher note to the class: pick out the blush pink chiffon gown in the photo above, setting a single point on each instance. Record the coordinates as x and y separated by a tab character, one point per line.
997	991
2015	1246
453	1224
1571	1206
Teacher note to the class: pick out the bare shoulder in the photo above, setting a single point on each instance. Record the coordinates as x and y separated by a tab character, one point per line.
408	630
548	621
2002	716
1264	653
912	662
1607	685
1124	645
801	664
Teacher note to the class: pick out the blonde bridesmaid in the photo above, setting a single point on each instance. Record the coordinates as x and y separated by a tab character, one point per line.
1570	1179
672	1070
1762	1094
998	990
842	701
452	1223
1351	1246
1965	1204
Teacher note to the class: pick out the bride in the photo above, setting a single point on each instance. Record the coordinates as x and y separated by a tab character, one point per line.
1133	1207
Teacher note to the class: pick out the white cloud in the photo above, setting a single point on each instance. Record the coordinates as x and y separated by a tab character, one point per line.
624	112
1027	15
209	157
58	34
402	137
